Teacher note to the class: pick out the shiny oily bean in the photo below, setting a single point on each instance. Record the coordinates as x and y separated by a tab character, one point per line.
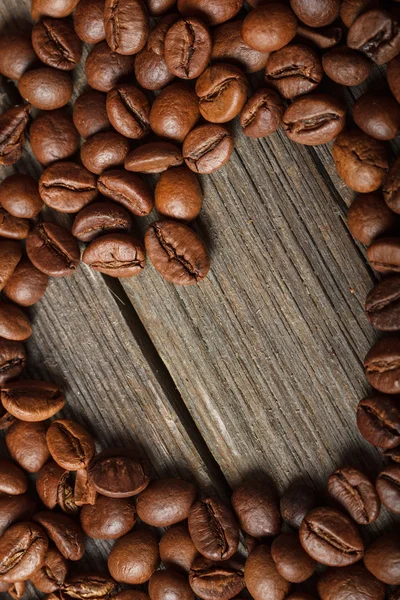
90	113
256	507
12	359
207	148
67	187
210	13
154	157
126	24
213	529
170	585
177	550
165	502
14	324
228	47
216	580
262	578
52	8
391	187
56	44
314	119
26	285
382	559
159	7
388	487
88	585
16	54
369	218
356	493
128	109
378	115
222	92
14	509
19	195
178	194
84	492
104	68
12	479
262	114
51	576
346	66
378	419
382	306
350	582
376	34
291	560
46	88
187	48
53	250
54	487
13	123
71	446
11	227
10	255
323	38
151	69
294	70
116	255
316	13
296	501
100	218
104	150
175	111
128	189
63	532
269	27
89	21
384	255
134	557
32	400
23	548
53	136
118	473
351	9
26	443
108	518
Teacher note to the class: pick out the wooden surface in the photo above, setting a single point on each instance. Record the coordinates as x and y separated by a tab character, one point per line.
256	370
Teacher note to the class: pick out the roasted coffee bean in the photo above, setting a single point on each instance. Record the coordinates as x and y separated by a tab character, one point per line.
151	69
71	446
26	443
23	548
391	187
116	254
356	493
88	585
19	195
84	493
351	9
165	502
53	250
228	47
10	254
331	537
323	38
187	48
52	574
16	54
26	285
256	507
14	324
108	518
159	7
32	400
377	34
222	92
171	585
90	113
64	533
213	529
262	114
345	66
388	487
134	557
178	194
297	500
262	578
104	68
316	13
294	70
154	157
89	21
314	119
382	559
49	8
210	13
46	88
100	218
384	255
350	582
378	419
14	509
53	136
118	473
291	561
207	148
369	218
54	487
177	252
175	111
177	550
393	77
378	115
56	44
13	125
67	187
12	359
104	150
127	189
269	27
11	227
361	161
382	305
126	24
12	479
128	109
216	580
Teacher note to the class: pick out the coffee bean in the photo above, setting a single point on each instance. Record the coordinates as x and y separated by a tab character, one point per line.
207	148
104	150
350	10
53	136
354	581
63	532
12	360
93	585
388	487
384	255
56	44
154	157
331	538
378	419
262	578
13	125
228	47
104	68
316	13
52	574
32	400
393	76
116	255
294	70
16	54
213	529
19	195
210	13
89	21
369	218
14	509
90	113
165	502
361	161
134	557
26	285
356	493
188	48
108	518
169	584
26	443
378	115
46	88
118	473
11	227
14	324
23	548
314	119
53	250
54	487
375	33
391	187
128	109
84	492
256	507
177	252
100	218
70	445
382	559
177	550
126	24
345	66
297	500
67	187
216	580
269	27
49	8
382	305
151	69
175	111
222	92
291	561
178	194
12	479
262	114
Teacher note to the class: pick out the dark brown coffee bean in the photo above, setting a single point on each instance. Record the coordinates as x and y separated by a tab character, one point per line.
46	88
297	500
384	255
84	493
100	218
104	150
356	493
49	8
108	518
177	252
187	48
134	557
127	189
104	68
291	561
378	419
12	479
323	38
354	581
52	574
53	250
67	187
151	69
369	218
331	537
378	115
13	125
393	77
314	119
16	54
128	109
316	13
177	550
175	111
382	305
26	443
14	509
126	24
216	580
71	446
388	487
345	66
213	529
376	34
54	487
382	559
222	92
262	578
361	161
210	13
350	10
19	195
294	70
178	194
56	44
171	585
11	227
228	47
26	285
22	551
391	187
159	7
12	359
118	473
14	324
269	27
88	585
256	507
262	114
116	254
90	113
89	21
53	136
64	533
207	148
154	157
32	400
165	502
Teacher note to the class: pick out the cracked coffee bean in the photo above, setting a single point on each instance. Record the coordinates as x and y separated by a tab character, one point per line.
13	125
222	91
369	218
32	400
84	493
269	27
104	150
257	510
46	88
12	360
354	581
108	518
54	487
187	48
294	70
116	254
261	575
314	119
100	218
216	580
128	109
126	25
51	576
63	532
56	44
207	148
90	113
346	66
177	550
175	111
104	68
178	194
376	34
23	548
26	443
356	493
67	187
19	195
134	558
70	445
118	473
262	114
53	250
388	487
228	47
382	305
213	529
154	157
382	366
378	419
